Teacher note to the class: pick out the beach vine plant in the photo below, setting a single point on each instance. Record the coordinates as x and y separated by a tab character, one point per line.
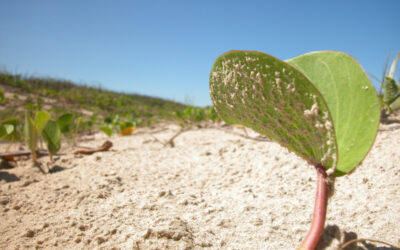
116	124
389	89
319	105
10	131
190	117
41	126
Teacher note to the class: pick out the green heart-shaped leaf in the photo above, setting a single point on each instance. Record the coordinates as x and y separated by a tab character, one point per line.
65	122
52	135
9	129
31	135
320	105
275	99
41	119
351	99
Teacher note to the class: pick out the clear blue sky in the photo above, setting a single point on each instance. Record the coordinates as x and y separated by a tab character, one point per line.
167	48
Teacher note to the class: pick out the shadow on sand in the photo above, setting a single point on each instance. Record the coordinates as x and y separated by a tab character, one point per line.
332	232
8	177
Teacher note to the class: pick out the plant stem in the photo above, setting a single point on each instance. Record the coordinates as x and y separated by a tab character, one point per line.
318	221
33	156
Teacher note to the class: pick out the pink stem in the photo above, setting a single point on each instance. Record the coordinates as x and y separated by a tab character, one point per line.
318	221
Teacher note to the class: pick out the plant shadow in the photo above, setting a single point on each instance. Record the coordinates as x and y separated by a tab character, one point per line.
55	169
8	177
333	232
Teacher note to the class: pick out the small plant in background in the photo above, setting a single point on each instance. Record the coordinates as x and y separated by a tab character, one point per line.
320	105
42	127
90	124
33	129
189	117
211	115
108	127
117	125
126	127
192	115
66	124
391	90
52	135
10	130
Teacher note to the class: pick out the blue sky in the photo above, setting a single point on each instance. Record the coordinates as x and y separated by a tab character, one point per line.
167	48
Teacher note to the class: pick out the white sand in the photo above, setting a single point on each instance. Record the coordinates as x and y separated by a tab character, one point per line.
214	190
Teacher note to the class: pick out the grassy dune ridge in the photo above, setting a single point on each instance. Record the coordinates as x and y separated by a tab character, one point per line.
59	96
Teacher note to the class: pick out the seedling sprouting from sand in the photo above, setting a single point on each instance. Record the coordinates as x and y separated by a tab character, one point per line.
118	125
10	130
391	90
189	118
40	126
33	129
320	105
52	135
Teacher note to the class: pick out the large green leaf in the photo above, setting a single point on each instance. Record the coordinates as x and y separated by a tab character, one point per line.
52	135
351	99
275	99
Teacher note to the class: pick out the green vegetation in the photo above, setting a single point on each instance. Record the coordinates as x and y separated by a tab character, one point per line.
117	125
10	130
52	136
192	115
389	90
319	105
80	110
33	129
89	105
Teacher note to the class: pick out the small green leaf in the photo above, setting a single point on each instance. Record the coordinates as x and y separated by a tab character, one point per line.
30	132
390	90
107	130
41	119
275	99
65	122
10	129
52	135
351	99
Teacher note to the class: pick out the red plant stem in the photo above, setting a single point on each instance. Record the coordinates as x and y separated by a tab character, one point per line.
318	221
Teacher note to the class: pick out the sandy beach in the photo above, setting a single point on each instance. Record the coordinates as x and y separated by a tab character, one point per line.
218	188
